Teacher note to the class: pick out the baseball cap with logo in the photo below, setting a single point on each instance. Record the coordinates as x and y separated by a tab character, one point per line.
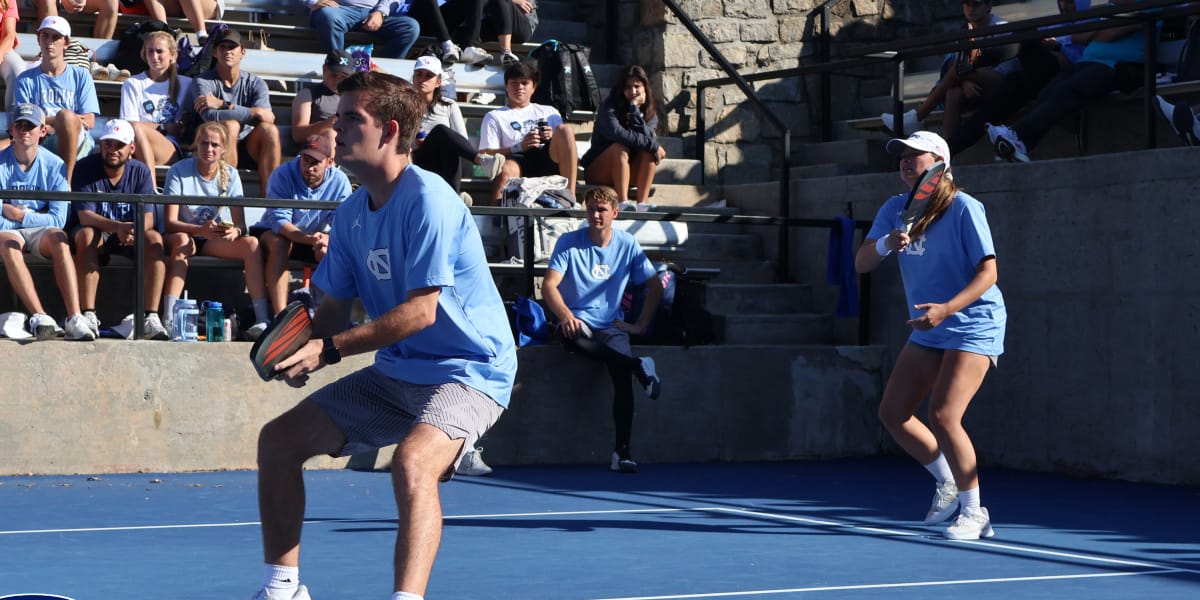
340	61
30	113
58	24
428	63
925	141
319	147
118	130
229	35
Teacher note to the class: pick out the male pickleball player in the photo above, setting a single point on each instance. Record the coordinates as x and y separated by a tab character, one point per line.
445	360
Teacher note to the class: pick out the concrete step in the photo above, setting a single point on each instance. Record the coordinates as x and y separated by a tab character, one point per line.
733	270
716	246
678	171
757	298
821	170
804	328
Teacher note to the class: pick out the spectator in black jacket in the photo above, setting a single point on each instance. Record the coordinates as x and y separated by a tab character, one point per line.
624	146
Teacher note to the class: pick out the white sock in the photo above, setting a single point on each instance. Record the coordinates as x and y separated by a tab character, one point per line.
279	577
969	498
406	596
169	306
940	469
262	310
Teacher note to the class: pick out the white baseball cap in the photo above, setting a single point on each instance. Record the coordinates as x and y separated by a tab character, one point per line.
58	24
925	141
428	63
119	130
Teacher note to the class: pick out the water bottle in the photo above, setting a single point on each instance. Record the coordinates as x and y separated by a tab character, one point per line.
214	321
449	88
186	321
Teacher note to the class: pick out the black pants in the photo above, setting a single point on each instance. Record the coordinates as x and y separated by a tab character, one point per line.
504	17
621	368
1070	91
465	16
442	152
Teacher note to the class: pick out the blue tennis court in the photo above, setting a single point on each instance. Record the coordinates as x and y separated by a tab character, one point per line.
828	529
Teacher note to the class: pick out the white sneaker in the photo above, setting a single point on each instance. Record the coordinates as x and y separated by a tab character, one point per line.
256	330
1181	119
649	378
153	329
472	464
476	56
78	328
971	524
43	326
492	164
945	502
508	59
911	123
93	321
450	53
300	594
1006	143
467	198
622	465
627	205
642	207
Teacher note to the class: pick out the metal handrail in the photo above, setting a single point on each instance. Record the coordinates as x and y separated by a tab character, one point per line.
785	196
824	55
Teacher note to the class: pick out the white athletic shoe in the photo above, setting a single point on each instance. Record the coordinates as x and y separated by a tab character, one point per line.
476	56
1006	144
255	330
945	502
472	464
911	123
43	326
450	53
971	524
301	594
93	321
649	378
492	164
78	328
622	465
153	329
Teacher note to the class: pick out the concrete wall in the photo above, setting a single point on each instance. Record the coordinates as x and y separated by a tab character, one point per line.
1098	265
116	406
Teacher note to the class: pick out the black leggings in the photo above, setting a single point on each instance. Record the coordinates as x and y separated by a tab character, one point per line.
465	15
621	368
442	152
504	17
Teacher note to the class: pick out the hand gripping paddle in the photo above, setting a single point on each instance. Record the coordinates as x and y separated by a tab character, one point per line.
289	330
918	199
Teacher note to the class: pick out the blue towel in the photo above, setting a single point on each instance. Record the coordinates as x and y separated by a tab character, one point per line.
532	326
839	270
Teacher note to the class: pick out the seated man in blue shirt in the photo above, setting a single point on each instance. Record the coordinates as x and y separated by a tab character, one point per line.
586	278
28	226
106	228
299	233
384	20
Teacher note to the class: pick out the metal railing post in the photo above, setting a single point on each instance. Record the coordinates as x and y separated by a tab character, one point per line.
139	268
701	130
527	246
1150	82
824	53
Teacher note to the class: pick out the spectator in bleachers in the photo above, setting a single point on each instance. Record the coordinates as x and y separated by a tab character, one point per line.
299	233
442	141
35	226
197	12
508	22
105	228
105	11
456	25
11	63
315	107
396	33
966	76
587	275
624	145
211	230
153	103
1093	76
1182	119
1038	63
65	92
533	137
240	102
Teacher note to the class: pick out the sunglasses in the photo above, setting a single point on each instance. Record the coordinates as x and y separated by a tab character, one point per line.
25	126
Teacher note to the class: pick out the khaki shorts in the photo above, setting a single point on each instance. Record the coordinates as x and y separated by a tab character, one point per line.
374	410
32	238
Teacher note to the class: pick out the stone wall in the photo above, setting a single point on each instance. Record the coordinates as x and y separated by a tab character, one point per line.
754	36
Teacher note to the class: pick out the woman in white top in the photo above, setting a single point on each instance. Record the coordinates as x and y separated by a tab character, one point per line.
152	102
442	141
211	230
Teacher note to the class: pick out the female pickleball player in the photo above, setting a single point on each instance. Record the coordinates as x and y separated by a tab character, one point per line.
956	312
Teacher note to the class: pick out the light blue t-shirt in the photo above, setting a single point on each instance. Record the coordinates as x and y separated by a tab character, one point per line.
1129	48
184	180
939	264
286	183
594	277
424	237
73	90
46	174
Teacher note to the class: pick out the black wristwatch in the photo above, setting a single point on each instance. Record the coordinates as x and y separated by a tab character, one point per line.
330	353
226	105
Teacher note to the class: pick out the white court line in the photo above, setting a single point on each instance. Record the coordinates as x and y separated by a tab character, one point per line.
875	586
319	521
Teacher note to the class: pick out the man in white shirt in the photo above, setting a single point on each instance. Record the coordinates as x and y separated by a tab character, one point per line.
533	137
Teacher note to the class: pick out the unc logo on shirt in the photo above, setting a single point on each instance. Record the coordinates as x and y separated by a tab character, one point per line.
379	263
601	272
917	247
